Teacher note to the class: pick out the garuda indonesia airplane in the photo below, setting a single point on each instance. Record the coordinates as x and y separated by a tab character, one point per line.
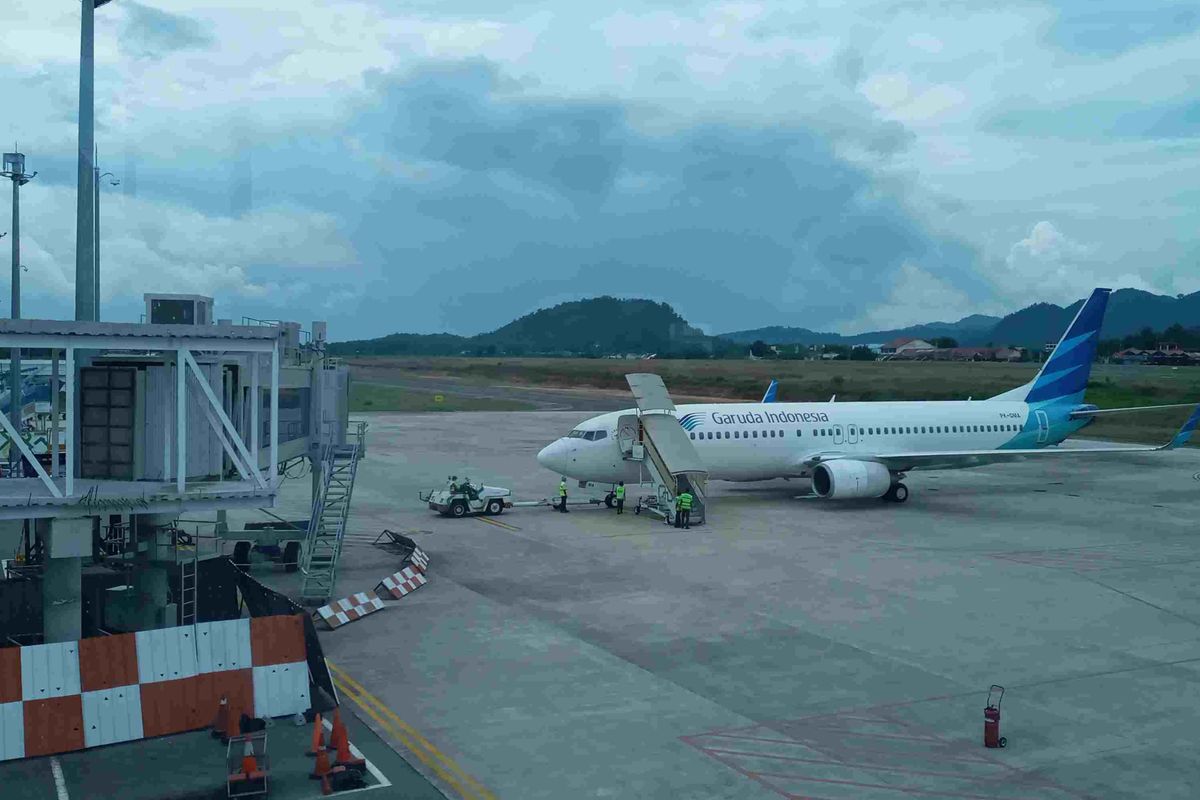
856	450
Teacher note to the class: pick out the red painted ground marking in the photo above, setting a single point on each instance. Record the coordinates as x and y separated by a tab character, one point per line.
838	746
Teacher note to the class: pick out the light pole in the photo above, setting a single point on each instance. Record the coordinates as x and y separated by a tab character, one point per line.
14	169
96	178
85	282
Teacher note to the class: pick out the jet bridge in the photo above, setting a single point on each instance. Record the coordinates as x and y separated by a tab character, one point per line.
663	447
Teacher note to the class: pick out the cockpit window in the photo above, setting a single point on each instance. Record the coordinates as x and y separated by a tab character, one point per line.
600	435
576	434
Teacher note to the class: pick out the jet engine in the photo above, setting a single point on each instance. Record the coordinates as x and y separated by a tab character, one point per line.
844	479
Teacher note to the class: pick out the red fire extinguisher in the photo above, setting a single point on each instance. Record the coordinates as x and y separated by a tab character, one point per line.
991	719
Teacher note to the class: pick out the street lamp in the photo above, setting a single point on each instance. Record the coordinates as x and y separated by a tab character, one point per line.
14	169
85	258
96	178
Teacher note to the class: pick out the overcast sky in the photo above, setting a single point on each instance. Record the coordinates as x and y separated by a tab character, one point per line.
427	166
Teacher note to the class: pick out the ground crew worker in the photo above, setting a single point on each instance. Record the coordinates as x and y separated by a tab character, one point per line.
619	493
453	483
685	508
678	512
562	495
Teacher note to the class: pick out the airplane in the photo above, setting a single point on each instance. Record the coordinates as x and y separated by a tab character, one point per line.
865	449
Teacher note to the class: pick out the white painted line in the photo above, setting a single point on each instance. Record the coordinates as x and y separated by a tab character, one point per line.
371	768
60	783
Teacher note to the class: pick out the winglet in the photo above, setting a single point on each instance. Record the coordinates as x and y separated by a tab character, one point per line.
1185	433
769	397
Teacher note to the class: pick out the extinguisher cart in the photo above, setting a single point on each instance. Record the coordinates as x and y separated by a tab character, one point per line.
991	719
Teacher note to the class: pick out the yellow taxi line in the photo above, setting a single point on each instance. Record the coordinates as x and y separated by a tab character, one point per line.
442	765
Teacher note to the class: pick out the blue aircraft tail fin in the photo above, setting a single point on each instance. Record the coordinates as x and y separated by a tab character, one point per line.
769	397
1064	376
1185	433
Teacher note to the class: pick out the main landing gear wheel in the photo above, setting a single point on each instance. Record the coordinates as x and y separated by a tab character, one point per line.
495	507
898	493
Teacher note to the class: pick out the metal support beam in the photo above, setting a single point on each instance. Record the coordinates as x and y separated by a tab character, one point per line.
255	405
229	450
181	420
140	344
275	414
216	406
54	408
167	432
19	443
70	431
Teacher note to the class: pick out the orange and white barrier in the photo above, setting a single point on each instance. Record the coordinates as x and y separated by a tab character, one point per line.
55	698
419	559
402	583
348	609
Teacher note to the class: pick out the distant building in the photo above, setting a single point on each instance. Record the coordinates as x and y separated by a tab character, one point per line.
961	354
904	344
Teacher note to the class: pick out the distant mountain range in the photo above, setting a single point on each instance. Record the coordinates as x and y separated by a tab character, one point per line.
1129	311
966	328
607	325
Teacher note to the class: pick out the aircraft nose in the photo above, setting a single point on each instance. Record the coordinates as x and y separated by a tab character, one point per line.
554	456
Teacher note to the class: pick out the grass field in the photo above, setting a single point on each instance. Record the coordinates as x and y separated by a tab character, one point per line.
376	397
1111	386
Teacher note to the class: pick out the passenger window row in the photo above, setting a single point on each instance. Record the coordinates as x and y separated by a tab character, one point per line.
869	431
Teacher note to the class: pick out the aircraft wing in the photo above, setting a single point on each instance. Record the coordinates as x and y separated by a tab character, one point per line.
904	462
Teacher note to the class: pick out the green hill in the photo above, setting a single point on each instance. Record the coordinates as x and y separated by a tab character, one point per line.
598	326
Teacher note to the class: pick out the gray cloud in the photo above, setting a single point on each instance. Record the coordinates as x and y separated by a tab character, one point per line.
151	33
557	198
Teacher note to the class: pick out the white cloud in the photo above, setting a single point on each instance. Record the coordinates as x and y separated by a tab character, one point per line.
917	296
158	247
1049	265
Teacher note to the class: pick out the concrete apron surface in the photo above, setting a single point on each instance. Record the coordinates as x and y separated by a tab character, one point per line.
790	647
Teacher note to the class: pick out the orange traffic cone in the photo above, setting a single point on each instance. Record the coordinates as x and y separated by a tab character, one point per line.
249	762
339	729
324	773
321	768
344	757
318	737
220	724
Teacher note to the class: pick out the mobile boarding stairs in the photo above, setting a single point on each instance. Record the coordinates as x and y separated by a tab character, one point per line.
669	462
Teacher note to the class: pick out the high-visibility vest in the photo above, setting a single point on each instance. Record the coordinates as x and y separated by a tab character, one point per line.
685	501
620	492
562	488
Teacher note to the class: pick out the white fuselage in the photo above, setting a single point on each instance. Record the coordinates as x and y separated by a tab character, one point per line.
760	441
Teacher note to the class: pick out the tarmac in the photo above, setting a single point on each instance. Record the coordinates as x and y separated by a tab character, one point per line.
789	647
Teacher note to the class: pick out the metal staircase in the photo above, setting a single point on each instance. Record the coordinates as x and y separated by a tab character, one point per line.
330	509
665	451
